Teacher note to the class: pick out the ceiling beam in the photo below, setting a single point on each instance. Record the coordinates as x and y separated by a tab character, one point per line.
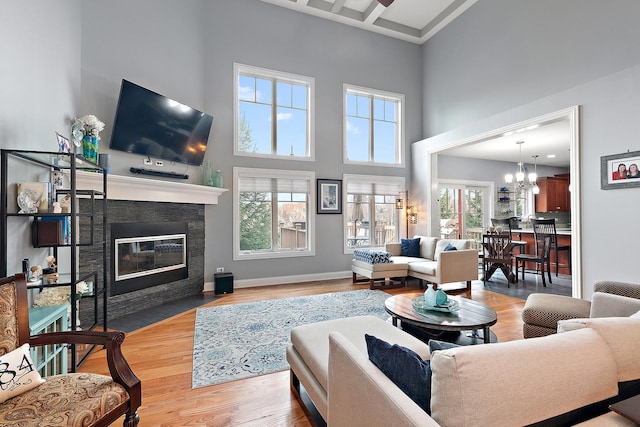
373	12
339	4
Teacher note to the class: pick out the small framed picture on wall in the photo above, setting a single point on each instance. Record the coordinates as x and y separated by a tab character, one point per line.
329	196
620	170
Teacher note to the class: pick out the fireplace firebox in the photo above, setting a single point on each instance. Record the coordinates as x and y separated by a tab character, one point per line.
147	254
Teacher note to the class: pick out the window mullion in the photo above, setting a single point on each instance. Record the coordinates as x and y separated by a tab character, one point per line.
371	135
274	117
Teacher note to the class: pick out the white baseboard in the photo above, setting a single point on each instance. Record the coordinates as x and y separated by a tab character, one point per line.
282	280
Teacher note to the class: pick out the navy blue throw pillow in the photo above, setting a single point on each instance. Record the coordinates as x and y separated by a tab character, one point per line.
404	367
450	247
410	247
440	345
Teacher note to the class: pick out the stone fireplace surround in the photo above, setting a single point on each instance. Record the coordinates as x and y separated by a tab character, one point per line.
132	199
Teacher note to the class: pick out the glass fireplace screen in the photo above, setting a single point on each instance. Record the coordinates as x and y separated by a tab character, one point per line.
143	256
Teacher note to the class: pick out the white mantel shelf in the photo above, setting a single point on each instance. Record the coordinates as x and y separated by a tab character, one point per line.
121	187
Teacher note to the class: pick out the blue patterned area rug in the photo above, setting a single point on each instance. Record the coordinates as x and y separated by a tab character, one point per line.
233	342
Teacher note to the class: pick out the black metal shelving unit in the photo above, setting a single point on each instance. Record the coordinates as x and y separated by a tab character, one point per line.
38	162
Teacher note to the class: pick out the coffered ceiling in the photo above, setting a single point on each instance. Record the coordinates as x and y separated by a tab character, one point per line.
411	20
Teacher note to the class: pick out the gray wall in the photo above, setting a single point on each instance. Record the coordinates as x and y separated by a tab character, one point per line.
185	49
39	90
504	62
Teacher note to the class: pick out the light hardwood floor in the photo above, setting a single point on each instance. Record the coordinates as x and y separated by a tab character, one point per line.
161	356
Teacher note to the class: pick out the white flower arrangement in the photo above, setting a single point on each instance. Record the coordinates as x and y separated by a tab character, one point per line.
59	295
89	125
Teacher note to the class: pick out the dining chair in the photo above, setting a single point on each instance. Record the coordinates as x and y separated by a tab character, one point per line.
498	255
541	258
548	227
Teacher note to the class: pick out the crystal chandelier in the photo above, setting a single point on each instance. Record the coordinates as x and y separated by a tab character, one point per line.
520	175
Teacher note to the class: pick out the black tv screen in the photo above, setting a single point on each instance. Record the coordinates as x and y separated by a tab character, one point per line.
153	125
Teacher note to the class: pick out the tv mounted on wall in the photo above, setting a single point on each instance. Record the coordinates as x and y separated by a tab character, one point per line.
155	126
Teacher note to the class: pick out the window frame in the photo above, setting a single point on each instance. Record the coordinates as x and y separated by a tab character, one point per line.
400	123
240	255
277	76
397	181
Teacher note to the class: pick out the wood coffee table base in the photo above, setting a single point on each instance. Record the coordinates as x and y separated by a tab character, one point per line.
471	337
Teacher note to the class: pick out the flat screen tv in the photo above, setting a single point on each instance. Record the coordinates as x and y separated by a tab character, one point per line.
153	125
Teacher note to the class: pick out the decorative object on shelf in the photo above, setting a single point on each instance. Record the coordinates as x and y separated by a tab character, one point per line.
90	127
33	197
51	261
36	272
218	180
104	160
207	176
63	143
65	204
620	170
56	179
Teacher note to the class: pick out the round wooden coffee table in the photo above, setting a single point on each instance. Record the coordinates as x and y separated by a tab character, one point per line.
472	316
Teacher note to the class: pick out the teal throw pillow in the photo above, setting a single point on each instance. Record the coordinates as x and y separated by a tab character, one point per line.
450	247
410	247
404	367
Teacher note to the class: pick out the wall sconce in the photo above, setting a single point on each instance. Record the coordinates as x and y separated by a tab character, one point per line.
411	214
399	203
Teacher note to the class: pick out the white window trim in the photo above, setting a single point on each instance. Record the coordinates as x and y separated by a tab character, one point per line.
248	69
399	180
239	255
401	124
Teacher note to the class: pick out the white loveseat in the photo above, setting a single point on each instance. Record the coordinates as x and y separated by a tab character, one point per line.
436	265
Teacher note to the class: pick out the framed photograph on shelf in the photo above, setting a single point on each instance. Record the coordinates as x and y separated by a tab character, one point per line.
329	196
63	143
620	170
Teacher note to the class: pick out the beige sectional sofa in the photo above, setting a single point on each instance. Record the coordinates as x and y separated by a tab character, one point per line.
436	265
562	378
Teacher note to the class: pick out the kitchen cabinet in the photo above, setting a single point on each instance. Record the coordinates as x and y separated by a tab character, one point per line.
554	194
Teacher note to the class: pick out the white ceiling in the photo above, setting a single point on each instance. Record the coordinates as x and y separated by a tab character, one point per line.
547	139
411	20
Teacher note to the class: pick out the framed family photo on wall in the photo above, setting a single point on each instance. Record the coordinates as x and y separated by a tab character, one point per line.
329	196
620	170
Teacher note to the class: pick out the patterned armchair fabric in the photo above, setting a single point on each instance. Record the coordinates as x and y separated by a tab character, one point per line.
76	399
64	400
8	318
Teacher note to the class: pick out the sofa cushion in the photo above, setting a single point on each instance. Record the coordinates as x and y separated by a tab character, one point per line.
611	305
515	383
459	244
425	267
404	367
621	333
428	247
410	247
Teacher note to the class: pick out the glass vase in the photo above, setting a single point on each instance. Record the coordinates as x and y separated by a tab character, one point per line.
90	148
429	296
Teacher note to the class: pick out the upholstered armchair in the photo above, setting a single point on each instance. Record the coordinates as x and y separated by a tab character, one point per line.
542	312
74	399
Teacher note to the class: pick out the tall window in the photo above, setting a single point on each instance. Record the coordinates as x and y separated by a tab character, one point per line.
272	215
371	218
274	116
373	127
